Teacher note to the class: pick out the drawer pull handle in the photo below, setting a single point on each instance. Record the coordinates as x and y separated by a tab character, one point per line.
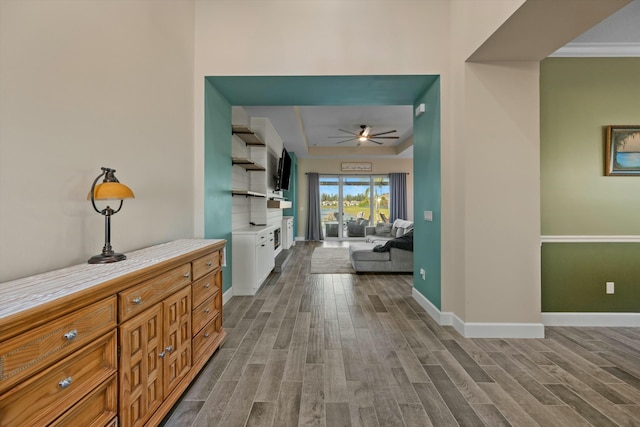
169	349
186	275
137	300
206	334
207	286
65	382
161	354
209	263
71	335
206	310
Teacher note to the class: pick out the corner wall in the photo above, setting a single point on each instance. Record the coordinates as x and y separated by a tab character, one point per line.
217	177
427	197
590	222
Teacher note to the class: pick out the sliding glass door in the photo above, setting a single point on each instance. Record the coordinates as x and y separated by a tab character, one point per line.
350	203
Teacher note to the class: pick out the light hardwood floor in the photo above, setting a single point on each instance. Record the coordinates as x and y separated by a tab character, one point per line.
357	350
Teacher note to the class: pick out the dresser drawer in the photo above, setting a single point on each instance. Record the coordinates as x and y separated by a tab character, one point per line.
206	264
142	296
206	287
205	312
44	397
30	352
98	409
206	337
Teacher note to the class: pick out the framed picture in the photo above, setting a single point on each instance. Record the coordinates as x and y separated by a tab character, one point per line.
622	155
356	166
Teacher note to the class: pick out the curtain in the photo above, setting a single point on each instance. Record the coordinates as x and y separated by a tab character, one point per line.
314	215
398	190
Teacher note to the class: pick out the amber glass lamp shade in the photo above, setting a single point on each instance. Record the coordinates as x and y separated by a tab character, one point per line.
109	189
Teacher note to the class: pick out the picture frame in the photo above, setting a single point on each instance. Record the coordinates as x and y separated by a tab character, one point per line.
356	166
622	150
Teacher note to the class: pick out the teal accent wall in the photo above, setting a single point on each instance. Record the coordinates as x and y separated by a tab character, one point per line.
426	197
574	277
579	97
292	193
217	172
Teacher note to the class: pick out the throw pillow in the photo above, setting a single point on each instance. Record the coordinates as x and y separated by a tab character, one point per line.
383	228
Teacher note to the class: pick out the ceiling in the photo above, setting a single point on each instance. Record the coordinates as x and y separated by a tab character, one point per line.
309	122
318	126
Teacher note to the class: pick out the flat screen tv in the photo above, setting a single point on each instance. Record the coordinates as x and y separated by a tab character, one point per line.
284	171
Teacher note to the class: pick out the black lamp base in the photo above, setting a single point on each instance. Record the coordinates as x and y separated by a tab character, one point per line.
106	259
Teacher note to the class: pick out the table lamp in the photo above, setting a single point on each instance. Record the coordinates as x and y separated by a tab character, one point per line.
109	189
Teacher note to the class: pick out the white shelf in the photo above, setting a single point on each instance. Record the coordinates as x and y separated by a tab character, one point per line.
278	204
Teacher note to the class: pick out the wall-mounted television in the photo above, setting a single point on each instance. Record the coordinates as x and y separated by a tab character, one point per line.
284	171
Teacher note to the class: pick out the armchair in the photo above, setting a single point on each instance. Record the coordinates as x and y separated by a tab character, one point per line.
356	228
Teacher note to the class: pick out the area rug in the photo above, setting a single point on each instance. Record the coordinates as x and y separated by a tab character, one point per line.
331	261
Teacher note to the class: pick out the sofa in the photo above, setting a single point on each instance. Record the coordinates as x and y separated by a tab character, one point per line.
384	231
389	256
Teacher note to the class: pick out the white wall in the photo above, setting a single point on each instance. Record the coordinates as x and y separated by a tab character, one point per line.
85	84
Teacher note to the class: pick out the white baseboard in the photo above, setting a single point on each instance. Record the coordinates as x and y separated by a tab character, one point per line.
226	296
592	319
479	330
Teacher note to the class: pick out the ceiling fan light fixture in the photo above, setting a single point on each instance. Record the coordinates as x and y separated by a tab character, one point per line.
362	138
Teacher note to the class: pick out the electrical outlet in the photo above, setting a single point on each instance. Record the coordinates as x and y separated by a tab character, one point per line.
423	274
610	287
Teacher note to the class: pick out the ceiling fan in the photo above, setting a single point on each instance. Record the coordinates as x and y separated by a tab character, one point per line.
364	135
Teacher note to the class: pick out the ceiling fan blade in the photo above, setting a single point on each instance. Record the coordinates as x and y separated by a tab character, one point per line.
382	133
346	140
385	137
374	141
343	136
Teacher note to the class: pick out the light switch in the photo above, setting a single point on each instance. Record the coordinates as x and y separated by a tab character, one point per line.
428	215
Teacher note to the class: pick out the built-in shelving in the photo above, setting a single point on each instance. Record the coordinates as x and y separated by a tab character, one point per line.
247	164
247	193
247	135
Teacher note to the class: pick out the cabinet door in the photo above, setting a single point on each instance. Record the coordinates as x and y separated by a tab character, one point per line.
140	367
177	338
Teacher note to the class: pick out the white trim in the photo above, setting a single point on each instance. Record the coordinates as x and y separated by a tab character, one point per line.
479	330
226	296
428	306
592	319
504	330
590	239
598	50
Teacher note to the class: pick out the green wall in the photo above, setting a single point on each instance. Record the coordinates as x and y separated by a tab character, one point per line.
426	184
574	277
217	173
292	193
579	97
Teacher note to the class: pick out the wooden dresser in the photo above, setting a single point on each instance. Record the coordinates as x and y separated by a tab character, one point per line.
112	344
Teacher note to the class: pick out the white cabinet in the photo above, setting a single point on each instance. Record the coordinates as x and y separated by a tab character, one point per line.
253	258
287	232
